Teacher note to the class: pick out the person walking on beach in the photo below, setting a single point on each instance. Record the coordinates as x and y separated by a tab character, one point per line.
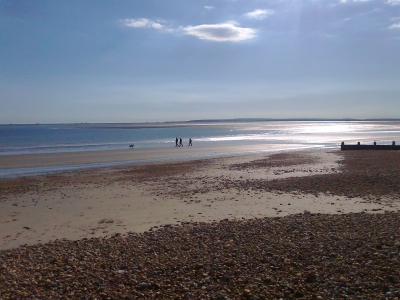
176	142
180	142
190	142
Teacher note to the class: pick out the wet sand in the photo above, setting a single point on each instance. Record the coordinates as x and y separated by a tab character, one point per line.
129	155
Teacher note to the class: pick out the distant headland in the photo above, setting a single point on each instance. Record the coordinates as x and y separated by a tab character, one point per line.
200	122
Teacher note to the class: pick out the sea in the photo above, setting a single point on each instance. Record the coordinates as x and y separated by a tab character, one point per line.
53	138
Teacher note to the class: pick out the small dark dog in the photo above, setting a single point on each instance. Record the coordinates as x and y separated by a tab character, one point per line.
131	146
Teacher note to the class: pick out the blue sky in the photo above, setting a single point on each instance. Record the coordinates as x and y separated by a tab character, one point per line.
161	60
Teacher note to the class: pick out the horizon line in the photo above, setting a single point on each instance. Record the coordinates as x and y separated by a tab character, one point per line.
211	120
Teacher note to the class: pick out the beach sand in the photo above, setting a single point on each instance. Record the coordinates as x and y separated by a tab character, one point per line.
104	201
300	224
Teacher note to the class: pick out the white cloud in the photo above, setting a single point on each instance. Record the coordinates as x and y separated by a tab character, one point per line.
259	13
208	7
223	32
142	22
394	2
394	26
157	26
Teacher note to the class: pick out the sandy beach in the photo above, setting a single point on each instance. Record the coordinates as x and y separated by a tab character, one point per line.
139	198
103	201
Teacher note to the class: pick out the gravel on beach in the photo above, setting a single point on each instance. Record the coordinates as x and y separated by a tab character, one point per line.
303	256
364	174
371	176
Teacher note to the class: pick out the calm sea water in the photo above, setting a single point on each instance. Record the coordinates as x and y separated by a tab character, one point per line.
27	139
30	139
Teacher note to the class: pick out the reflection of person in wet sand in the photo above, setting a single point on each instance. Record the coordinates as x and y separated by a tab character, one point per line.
190	142
180	142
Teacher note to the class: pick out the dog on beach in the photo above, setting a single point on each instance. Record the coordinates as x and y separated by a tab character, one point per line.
131	146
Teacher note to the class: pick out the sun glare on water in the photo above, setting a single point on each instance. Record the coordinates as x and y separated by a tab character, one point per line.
321	128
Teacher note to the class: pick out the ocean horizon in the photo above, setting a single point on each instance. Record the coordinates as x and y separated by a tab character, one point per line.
54	138
84	137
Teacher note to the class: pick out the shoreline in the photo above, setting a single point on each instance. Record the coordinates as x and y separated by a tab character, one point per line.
42	163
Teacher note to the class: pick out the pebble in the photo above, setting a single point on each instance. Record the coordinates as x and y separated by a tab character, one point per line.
361	176
301	256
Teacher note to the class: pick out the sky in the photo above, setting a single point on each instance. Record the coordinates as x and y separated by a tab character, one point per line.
174	60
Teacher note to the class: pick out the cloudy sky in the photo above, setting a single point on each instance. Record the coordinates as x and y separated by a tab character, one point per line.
172	60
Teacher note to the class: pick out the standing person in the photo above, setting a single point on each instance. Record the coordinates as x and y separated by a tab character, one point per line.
176	142
190	142
180	142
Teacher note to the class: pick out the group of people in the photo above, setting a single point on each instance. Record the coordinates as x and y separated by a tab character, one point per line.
180	142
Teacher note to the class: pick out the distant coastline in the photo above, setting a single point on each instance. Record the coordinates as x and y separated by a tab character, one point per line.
192	123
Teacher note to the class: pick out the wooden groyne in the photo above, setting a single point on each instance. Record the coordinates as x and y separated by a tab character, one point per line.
369	147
